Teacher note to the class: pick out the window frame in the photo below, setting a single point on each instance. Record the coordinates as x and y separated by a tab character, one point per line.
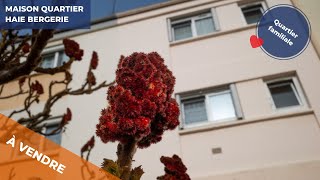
54	121
183	111
56	50
297	90
209	115
183	20
231	89
44	129
192	18
263	9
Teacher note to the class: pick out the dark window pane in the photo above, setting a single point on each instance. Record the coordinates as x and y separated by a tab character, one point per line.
252	14
195	110
62	58
48	61
182	30
283	95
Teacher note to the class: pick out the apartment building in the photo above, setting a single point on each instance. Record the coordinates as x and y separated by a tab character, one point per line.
244	115
310	9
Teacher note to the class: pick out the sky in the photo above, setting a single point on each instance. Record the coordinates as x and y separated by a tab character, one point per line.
104	8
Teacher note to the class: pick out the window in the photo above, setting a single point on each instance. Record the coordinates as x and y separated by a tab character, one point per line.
53	59
221	106
210	106
253	12
56	137
38	143
193	26
286	93
194	110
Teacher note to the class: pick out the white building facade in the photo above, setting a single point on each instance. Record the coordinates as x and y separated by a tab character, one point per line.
244	115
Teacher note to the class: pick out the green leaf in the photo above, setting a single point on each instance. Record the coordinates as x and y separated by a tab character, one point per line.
111	167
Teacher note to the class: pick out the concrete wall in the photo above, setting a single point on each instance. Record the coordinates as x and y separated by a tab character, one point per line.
266	144
311	10
228	58
263	144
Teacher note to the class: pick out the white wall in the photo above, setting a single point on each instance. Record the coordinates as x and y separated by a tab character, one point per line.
222	58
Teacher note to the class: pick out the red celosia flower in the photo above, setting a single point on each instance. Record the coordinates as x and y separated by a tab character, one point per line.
140	104
37	87
94	60
174	169
172	114
91	79
66	118
127	126
88	145
72	49
26	48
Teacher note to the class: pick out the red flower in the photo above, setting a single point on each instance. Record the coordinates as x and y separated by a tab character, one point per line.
142	123
37	87
174	169
26	48
172	114
89	145
78	55
72	49
127	126
140	103
149	108
127	105
91	79
94	60
66	118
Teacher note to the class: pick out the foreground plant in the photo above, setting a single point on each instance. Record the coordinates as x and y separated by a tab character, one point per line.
174	169
20	63
140	105
140	110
